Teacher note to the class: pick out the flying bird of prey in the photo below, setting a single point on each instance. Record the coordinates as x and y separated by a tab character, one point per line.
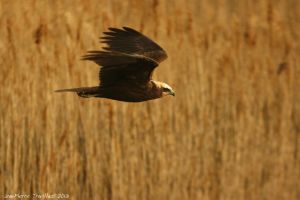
126	67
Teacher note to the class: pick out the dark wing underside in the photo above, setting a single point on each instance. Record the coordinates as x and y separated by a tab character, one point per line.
130	57
130	41
120	68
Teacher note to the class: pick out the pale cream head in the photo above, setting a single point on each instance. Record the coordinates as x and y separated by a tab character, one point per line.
166	89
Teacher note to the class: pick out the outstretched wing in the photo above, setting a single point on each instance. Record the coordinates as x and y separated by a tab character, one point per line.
130	41
121	67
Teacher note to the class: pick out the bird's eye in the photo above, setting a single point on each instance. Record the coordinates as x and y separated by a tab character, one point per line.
166	89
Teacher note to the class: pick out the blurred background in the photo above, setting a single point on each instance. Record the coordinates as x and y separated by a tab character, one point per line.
231	132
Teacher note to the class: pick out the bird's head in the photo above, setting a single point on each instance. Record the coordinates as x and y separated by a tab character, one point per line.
165	88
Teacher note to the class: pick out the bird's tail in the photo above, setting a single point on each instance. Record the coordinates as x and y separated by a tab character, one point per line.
83	91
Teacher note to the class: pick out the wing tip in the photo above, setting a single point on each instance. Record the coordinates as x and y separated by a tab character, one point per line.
125	29
131	30
114	29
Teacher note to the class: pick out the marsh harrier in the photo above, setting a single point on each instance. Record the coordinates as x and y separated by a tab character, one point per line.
127	64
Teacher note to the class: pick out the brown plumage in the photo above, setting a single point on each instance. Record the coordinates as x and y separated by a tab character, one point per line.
127	64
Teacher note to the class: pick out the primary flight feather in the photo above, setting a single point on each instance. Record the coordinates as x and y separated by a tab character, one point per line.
127	64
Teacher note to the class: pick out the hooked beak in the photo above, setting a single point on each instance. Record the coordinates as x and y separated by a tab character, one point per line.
172	93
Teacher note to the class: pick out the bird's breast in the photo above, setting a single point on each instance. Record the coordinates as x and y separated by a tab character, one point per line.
130	93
